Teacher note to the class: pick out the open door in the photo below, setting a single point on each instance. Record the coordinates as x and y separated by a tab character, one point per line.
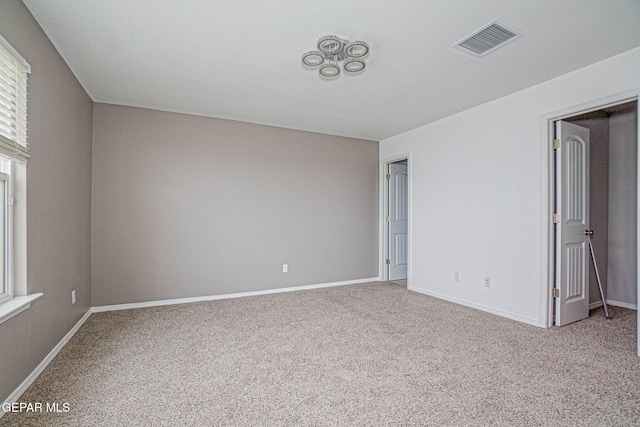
571	223
397	180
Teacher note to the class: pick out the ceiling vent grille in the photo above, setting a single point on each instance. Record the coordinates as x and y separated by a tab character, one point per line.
487	39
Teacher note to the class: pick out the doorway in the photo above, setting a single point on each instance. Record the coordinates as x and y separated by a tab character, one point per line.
595	190
396	221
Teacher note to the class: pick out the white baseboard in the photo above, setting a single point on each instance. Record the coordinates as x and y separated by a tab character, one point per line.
622	304
613	303
13	397
508	315
226	296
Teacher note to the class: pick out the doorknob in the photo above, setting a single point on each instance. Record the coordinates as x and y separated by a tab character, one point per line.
588	232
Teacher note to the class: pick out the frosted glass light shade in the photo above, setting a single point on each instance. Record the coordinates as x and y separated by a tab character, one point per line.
353	65
329	70
313	58
356	49
330	44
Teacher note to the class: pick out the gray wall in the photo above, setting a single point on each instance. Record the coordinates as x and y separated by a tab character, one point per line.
58	199
189	206
622	275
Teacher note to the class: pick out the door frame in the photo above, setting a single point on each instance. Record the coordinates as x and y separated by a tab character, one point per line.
383	245
548	184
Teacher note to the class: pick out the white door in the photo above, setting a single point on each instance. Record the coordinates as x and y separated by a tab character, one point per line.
398	219
572	205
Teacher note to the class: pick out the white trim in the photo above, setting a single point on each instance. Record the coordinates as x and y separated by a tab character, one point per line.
508	315
129	306
637	225
13	397
8	224
622	304
547	203
596	304
16	305
613	303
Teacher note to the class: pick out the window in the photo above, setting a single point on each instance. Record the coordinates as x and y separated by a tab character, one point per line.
13	160
6	291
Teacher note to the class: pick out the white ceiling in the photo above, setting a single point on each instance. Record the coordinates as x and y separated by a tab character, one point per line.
240	59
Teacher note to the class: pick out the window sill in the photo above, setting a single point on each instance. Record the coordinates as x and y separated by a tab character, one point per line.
16	305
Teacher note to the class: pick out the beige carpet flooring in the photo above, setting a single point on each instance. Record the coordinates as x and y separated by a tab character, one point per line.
368	354
401	282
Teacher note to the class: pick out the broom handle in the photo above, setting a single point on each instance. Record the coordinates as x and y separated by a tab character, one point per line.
589	233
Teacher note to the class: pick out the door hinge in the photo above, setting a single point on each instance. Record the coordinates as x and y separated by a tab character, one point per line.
10	201
556	144
555	292
556	218
388	219
388	176
388	261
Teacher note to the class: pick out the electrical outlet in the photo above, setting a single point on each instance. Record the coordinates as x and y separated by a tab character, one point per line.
456	276
487	282
285	268
73	296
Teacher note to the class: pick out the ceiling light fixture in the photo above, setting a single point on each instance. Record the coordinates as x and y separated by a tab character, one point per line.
331	51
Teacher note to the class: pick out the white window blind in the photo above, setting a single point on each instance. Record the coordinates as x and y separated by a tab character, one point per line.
13	102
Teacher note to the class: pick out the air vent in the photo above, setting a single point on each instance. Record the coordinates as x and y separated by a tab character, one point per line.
487	39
